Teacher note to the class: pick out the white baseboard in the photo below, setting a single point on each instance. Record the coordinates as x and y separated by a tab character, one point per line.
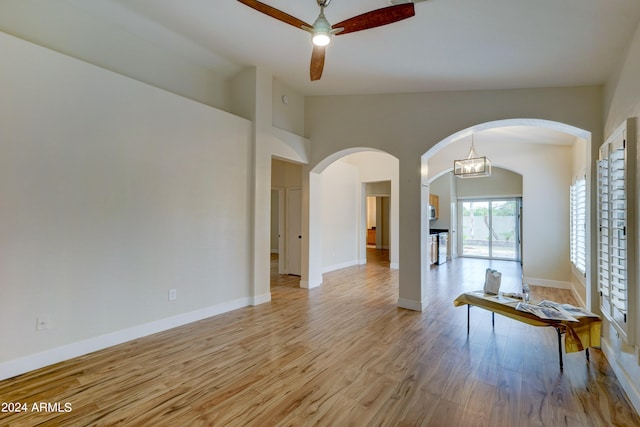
411	304
306	284
260	299
578	279
629	385
392	265
28	363
340	265
547	283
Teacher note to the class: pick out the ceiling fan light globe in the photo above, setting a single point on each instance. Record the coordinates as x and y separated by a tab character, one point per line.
321	39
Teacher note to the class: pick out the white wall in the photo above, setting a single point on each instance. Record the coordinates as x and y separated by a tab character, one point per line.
502	182
341	206
112	192
378	188
91	38
287	108
622	101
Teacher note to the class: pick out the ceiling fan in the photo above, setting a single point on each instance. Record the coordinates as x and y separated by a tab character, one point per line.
322	31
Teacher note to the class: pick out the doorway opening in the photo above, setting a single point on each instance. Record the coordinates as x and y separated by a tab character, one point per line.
286	222
378	209
378	212
491	228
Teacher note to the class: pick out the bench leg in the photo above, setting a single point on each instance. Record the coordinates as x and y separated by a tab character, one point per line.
560	348
493	318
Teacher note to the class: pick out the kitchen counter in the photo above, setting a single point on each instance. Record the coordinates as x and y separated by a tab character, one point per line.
438	230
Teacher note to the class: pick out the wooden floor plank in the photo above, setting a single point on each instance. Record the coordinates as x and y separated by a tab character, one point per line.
505	411
342	354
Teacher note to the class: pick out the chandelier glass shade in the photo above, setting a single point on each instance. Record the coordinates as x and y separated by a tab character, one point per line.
473	166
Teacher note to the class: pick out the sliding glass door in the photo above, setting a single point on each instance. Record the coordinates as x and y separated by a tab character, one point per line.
490	228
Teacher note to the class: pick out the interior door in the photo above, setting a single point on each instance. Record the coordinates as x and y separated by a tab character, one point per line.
294	231
282	260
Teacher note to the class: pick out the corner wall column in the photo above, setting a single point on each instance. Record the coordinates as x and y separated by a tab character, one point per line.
414	200
311	229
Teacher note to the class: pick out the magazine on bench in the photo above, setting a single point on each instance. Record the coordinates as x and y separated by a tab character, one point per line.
571	309
547	310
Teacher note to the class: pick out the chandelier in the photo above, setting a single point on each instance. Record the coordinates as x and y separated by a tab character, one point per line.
473	166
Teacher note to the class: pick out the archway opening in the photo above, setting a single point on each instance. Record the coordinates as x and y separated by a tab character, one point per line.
549	156
338	190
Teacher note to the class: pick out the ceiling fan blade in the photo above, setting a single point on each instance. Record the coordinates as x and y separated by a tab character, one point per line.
275	13
376	18
317	63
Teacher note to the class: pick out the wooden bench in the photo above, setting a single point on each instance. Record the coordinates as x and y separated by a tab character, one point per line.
578	335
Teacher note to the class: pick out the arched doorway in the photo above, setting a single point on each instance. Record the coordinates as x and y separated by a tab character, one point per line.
337	210
549	156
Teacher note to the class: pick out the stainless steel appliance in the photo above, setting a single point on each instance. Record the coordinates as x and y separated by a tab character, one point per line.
433	249
432	212
438	243
443	240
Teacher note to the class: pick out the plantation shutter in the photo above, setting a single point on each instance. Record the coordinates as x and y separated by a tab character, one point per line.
614	237
578	224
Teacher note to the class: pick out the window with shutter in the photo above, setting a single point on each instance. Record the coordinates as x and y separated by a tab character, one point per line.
616	278
578	223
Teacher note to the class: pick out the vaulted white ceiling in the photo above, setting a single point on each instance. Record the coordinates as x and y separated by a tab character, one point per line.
448	45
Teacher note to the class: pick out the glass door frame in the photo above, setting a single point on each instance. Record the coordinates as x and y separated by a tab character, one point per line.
490	201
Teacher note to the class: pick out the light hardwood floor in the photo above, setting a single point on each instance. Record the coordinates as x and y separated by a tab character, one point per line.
342	354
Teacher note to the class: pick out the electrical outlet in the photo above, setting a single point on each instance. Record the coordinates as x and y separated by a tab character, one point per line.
42	322
172	295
